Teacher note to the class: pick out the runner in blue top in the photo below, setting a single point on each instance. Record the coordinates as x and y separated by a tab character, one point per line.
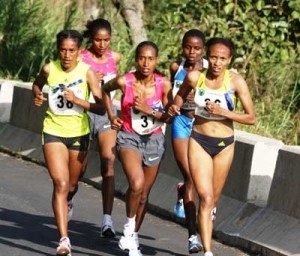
193	44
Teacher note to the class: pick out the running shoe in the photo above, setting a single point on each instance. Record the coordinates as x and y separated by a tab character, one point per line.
64	248
194	244
179	209
70	209
135	252
208	254
107	229
129	241
213	214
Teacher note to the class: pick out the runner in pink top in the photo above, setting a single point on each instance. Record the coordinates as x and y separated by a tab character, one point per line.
140	141
135	121
104	62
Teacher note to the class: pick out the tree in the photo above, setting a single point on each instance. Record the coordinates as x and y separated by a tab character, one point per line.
132	11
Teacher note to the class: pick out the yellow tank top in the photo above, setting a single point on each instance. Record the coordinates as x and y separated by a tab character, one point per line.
64	119
224	96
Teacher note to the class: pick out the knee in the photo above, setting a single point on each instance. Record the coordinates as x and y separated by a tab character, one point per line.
107	166
136	186
207	201
61	186
144	200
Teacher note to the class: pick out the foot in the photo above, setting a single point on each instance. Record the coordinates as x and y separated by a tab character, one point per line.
213	214
64	248
179	209
129	241
70	209
107	229
135	252
208	254
194	244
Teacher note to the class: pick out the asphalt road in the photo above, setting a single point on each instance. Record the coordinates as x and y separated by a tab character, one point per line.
27	224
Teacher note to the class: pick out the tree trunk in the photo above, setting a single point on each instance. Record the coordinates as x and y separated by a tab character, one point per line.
132	11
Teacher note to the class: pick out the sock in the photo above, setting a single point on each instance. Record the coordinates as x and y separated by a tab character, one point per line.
106	218
130	225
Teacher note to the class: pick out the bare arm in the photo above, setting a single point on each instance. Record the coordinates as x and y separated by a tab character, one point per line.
112	85
187	86
173	69
38	85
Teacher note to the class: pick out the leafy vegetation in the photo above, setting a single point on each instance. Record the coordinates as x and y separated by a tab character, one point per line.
266	34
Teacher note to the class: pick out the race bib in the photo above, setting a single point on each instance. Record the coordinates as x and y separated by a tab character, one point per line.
177	84
142	123
202	96
60	106
106	78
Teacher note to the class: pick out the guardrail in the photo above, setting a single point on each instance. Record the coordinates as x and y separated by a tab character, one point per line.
259	209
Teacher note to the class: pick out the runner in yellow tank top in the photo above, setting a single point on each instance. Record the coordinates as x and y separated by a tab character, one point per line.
66	128
211	145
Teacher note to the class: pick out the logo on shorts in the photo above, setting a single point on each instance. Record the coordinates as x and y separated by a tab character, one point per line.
106	126
153	158
76	143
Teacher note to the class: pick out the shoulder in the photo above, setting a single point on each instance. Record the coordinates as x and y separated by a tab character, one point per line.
192	77
116	56
236	80
46	69
175	65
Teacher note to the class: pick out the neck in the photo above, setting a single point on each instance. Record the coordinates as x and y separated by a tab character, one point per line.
95	54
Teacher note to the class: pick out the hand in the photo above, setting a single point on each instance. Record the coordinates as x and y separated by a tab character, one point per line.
116	123
174	110
39	99
140	104
213	108
99	76
69	95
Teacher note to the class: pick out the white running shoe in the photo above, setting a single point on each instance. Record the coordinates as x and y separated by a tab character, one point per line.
208	254
129	241
64	248
107	229
70	209
135	252
194	244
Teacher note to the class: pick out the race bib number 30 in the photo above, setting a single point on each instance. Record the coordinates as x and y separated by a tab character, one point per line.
142	123
60	106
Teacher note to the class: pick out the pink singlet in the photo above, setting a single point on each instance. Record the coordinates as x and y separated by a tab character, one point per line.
135	121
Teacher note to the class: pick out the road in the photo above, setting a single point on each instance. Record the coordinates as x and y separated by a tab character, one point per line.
27	225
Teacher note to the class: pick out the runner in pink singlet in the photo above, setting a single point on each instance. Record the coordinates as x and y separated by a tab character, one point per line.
146	94
104	62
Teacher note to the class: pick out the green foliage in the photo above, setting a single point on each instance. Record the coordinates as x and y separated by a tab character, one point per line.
28	31
266	34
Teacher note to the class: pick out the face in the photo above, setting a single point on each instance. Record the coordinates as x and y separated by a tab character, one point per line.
146	61
192	49
219	58
68	52
101	41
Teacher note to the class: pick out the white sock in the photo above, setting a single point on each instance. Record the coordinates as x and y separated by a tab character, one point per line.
130	225
106	218
208	254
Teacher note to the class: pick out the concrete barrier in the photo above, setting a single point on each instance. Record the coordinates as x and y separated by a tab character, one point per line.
259	209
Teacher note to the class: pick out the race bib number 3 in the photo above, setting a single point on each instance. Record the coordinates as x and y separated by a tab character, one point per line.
142	123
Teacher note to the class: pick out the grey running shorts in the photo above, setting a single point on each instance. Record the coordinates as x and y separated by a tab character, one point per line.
99	123
151	147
